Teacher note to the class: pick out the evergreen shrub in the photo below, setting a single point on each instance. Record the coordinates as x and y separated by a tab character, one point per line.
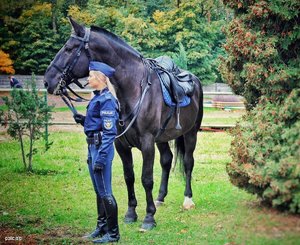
266	153
263	65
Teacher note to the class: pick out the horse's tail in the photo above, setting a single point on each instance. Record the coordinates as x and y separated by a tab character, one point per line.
179	154
179	150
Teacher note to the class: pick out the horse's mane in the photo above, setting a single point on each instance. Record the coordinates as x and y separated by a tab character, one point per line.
117	39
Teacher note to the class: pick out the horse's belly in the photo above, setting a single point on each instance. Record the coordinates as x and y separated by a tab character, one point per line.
188	119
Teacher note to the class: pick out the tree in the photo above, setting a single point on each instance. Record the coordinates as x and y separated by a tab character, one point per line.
180	58
263	49
27	115
6	64
262	64
38	41
32	35
197	25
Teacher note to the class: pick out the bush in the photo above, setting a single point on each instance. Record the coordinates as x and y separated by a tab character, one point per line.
27	115
262	44
263	66
266	151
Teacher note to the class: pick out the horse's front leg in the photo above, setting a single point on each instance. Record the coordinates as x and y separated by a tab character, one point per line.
147	148
126	156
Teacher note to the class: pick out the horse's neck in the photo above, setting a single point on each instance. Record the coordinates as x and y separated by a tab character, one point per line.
130	80
128	63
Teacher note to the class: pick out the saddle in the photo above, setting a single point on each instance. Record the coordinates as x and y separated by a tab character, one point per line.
177	82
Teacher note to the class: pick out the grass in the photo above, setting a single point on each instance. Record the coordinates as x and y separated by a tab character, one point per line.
80	108
57	204
215	116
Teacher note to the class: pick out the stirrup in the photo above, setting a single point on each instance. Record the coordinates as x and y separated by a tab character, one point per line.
178	126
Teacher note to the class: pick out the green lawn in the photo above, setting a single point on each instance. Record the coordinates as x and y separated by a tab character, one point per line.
215	116
57	205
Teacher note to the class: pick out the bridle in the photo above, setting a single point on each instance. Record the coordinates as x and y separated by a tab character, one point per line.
67	77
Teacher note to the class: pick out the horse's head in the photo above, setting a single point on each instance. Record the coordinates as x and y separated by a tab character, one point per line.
71	62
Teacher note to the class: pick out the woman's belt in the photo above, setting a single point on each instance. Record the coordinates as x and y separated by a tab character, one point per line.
95	140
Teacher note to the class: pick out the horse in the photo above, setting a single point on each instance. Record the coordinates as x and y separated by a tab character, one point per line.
142	109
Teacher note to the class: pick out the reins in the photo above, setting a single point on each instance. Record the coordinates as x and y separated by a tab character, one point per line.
136	109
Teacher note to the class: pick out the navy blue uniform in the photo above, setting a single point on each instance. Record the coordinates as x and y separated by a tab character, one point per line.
101	117
14	83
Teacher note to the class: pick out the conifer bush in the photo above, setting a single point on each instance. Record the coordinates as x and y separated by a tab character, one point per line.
266	153
262	64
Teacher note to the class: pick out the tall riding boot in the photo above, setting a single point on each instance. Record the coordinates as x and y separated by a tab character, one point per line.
101	227
111	210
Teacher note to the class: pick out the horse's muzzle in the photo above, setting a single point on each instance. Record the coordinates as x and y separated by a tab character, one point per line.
50	89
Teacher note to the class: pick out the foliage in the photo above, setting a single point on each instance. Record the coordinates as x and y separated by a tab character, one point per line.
27	115
33	34
263	66
38	40
196	24
263	49
180	58
31	37
266	153
6	64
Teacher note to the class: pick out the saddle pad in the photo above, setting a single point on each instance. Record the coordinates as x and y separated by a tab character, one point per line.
167	98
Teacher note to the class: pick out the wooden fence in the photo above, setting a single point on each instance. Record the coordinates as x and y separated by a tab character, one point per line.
208	102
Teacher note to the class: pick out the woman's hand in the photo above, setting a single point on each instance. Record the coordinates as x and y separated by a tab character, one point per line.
79	118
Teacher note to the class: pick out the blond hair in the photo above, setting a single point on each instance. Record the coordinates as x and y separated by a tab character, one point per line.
101	77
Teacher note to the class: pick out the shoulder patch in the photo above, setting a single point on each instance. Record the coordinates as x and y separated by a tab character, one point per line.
108	95
108	124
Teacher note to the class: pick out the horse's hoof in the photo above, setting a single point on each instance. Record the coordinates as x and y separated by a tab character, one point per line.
188	203
130	220
147	227
158	203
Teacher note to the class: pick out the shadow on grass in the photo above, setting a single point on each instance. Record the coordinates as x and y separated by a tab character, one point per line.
41	172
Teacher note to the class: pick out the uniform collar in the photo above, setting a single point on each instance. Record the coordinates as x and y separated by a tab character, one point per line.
97	92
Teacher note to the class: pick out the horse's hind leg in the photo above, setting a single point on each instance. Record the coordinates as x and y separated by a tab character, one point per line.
190	140
166	157
126	157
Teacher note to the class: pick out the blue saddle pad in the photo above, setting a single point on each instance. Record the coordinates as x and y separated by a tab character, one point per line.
167	98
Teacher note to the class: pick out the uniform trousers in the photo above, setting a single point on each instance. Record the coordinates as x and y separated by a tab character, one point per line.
101	179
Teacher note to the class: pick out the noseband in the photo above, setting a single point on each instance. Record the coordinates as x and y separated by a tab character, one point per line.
67	76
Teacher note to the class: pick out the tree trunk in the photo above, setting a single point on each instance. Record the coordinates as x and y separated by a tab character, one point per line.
53	12
22	149
31	135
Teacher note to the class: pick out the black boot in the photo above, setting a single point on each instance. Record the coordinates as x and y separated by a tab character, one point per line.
101	227
111	210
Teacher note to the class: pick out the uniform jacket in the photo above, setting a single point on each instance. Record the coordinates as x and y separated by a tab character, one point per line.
102	116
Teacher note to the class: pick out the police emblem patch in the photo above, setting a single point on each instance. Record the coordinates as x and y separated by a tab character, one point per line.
108	124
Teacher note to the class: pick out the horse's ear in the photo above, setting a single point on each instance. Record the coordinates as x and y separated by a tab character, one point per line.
77	28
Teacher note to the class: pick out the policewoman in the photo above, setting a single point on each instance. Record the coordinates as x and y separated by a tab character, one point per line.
100	128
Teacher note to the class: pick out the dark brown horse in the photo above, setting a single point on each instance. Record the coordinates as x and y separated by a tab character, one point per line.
142	105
